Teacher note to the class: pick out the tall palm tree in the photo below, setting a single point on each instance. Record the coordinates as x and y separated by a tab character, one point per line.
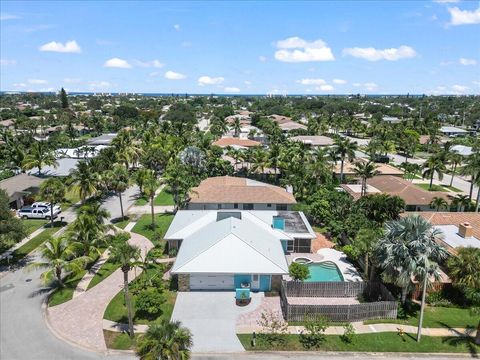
118	182
407	250
455	159
237	127
53	191
150	187
84	181
58	257
365	170
165	341
127	256
472	168
433	165
438	203
461	201
140	177
464	269
39	156
345	149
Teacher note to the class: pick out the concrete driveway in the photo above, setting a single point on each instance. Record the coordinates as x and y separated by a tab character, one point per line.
211	317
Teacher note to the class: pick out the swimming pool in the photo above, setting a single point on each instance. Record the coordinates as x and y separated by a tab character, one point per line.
324	271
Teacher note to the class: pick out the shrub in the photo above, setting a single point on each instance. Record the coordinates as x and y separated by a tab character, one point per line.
314	333
149	302
349	333
298	272
437	299
273	327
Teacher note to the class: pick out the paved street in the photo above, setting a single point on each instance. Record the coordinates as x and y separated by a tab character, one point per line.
324	356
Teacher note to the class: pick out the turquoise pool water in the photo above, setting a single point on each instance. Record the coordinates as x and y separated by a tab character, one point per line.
324	271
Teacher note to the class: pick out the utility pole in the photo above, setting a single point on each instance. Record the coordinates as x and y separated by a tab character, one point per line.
422	308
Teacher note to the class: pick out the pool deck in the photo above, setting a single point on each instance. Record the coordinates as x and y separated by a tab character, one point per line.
349	272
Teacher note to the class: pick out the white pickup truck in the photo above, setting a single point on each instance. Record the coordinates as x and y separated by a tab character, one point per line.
38	213
45	205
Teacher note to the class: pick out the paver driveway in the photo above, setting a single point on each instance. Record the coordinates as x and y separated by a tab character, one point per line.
211	317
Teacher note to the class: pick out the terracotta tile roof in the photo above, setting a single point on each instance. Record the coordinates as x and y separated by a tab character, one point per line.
231	141
393	185
286	123
383	169
321	242
454	218
228	189
313	140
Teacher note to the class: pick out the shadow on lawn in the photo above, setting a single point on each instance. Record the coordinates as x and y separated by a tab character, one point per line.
462	338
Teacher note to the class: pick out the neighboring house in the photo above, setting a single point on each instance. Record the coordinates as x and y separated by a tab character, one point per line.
314	141
392	119
286	124
462	150
416	198
8	124
227	192
460	229
453	131
63	168
104	139
19	187
221	250
237	143
383	169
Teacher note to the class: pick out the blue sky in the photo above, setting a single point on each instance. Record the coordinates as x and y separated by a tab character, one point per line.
243	47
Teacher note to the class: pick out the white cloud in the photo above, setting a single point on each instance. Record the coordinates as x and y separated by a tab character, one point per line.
311	81
172	75
295	49
369	86
37	81
207	80
70	46
71	80
117	63
7	62
339	81
464	17
146	64
465	61
325	87
99	85
372	54
446	1
155	73
19	85
474	82
247	82
176	27
231	89
5	16
460	89
262	58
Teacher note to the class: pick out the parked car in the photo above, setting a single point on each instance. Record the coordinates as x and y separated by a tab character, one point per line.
35	213
45	205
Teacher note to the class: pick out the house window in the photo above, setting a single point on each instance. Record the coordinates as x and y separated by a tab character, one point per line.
269	205
247	206
290	246
282	207
235	206
219	206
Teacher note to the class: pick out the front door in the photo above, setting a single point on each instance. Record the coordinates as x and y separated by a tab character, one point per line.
255	282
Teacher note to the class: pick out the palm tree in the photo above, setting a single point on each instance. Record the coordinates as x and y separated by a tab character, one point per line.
438	203
455	159
365	170
179	181
127	256
165	341
84	181
140	177
39	156
461	201
118	182
53	191
408	250
433	165
150	187
464	269
472	168
345	149
237	127
58	257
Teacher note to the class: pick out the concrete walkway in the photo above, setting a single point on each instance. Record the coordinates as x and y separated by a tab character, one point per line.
147	209
83	284
80	321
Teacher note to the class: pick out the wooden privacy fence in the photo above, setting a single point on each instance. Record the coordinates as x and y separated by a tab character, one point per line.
384	305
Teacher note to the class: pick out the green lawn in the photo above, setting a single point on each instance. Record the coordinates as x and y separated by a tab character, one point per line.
59	296
143	226
453	188
31	245
105	270
117	311
434	187
437	317
162	199
122	223
377	342
33	224
119	341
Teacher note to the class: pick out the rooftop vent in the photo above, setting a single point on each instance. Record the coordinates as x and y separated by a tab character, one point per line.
222	215
465	230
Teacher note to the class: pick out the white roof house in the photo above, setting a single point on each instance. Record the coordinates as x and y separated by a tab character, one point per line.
227	242
463	150
452	130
